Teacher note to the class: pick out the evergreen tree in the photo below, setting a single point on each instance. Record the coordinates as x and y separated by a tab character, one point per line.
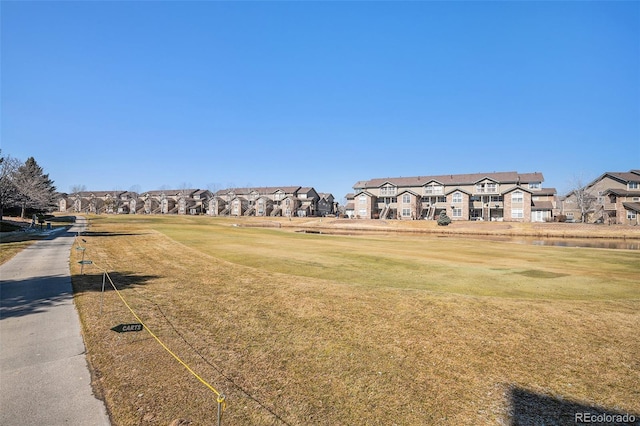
35	189
443	219
8	190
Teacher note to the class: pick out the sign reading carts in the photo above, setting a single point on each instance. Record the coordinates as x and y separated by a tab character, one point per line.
124	328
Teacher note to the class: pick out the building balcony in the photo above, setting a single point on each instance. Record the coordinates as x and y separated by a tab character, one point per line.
492	205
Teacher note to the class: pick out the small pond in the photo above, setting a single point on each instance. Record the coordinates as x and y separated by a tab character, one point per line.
605	243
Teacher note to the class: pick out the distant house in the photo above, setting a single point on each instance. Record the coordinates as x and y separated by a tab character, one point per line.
327	205
93	202
285	201
349	207
497	196
613	197
182	201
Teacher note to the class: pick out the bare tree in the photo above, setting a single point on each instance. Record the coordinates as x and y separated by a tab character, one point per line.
213	187
584	199
135	189
78	188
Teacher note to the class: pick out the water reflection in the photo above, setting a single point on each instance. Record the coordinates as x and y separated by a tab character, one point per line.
573	242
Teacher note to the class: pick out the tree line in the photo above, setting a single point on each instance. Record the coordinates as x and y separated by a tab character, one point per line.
24	186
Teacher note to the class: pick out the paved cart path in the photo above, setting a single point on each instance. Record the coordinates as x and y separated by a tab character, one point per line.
44	377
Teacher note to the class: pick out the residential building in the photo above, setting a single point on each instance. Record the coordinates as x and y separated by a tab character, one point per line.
613	197
285	201
95	202
180	201
327	206
497	196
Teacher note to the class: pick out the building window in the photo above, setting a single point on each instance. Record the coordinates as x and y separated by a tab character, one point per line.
406	212
388	190
517	213
492	187
517	197
456	213
441	200
362	199
457	197
406	198
634	185
535	185
631	214
433	189
362	212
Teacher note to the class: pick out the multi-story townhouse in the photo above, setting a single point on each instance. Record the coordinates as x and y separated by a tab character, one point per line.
174	201
327	205
285	201
181	201
95	201
613	197
497	196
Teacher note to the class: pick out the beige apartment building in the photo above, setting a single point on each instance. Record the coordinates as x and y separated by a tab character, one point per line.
497	196
177	201
287	201
613	197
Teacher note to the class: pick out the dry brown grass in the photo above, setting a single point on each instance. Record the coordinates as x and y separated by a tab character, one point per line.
289	347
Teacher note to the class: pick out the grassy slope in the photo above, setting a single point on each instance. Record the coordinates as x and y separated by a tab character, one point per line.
317	329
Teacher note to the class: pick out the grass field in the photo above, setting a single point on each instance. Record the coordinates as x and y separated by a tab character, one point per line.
389	328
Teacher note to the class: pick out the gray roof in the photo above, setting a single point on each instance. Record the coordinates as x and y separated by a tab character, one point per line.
632	206
542	205
170	192
460	179
260	190
625	177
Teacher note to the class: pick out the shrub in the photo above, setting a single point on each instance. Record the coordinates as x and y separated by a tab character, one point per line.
443	219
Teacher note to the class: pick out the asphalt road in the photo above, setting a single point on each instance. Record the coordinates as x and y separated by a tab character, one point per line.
44	377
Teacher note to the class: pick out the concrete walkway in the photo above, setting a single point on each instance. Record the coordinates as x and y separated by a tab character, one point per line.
44	378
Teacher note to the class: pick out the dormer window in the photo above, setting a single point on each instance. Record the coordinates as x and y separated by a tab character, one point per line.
433	188
388	190
535	185
634	185
486	188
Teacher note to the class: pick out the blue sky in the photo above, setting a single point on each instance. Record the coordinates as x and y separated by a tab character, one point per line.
148	95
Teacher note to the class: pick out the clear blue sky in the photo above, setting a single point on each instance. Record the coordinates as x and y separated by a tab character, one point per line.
113	95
